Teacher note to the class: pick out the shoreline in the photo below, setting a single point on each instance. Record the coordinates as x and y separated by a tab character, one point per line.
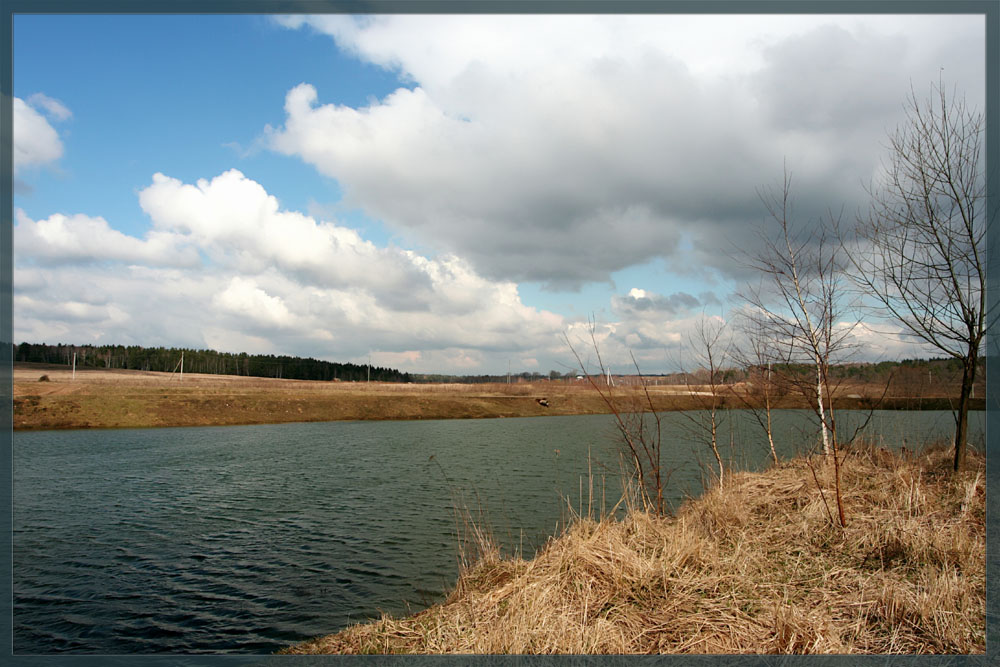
100	399
753	567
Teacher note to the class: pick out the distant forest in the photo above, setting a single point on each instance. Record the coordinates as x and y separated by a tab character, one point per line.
906	371
136	357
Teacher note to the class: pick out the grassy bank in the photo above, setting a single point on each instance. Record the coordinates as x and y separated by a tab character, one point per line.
98	398
753	567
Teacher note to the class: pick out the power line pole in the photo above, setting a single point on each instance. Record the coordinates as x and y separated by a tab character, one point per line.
182	364
74	365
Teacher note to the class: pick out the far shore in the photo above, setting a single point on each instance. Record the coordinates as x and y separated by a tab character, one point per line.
115	398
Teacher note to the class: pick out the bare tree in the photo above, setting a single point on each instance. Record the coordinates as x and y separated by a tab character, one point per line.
798	303
711	349
756	357
921	251
638	424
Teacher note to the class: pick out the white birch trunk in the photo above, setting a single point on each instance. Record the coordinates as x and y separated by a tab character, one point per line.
822	414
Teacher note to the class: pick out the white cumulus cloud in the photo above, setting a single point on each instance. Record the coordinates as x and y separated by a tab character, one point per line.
244	298
84	239
272	280
36	142
235	221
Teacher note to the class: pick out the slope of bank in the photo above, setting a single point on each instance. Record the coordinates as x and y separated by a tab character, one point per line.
753	567
97	398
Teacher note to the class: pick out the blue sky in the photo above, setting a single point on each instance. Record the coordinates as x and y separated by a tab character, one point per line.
183	95
445	193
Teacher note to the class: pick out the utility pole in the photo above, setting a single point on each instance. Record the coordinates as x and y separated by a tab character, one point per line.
74	365
182	364
508	371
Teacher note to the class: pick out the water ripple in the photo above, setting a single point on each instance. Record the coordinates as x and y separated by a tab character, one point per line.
246	539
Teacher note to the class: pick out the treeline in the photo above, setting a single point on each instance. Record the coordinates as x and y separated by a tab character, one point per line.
908	372
136	357
439	378
900	373
908	377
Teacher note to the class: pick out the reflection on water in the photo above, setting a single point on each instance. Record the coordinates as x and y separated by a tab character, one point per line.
246	539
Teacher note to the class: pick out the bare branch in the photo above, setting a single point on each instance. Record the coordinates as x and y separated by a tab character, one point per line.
921	247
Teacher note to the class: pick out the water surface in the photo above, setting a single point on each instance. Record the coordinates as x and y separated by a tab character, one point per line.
245	539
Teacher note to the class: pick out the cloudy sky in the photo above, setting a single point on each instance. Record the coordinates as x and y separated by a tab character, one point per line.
445	193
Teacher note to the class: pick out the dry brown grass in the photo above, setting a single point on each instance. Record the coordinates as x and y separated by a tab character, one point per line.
99	398
110	398
754	567
117	398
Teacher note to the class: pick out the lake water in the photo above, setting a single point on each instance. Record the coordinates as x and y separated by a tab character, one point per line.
246	539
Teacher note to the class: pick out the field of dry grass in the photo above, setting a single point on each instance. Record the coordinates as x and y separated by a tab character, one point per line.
133	399
753	567
99	398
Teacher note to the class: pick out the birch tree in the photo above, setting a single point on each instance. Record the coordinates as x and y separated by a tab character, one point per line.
710	346
756	356
798	302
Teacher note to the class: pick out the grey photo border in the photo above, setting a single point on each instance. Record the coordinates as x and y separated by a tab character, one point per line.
990	9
